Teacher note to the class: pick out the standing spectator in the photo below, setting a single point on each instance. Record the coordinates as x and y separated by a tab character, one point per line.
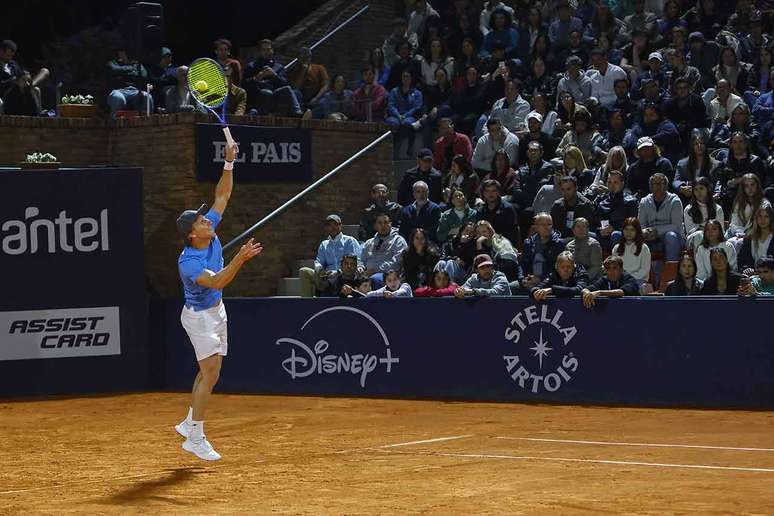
236	103
758	242
419	260
512	110
649	163
615	283
686	283
440	286
724	281
383	251
502	172
311	81
485	282
370	99
467	103
497	137
763	282
571	206
712	237
584	249
399	35
449	145
560	29
701	209
329	256
574	81
461	177
337	103
425	172
603	76
613	208
661	214
127	80
434	58
498	212
19	91
455	218
392	287
269	91
540	252
178	97
458	254
404	107
566	280
422	213
634	251
222	49
380	203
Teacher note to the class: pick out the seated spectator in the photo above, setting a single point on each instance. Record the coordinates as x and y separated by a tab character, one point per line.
763	109
740	121
649	162
563	24
422	213
623	102
642	20
434	58
686	109
540	81
419	260
585	250
458	253
453	219
418	18
362	288
535	133
737	163
603	76
758	242
634	252
497	211
616	134
614	283
533	174
577	48
178	97
731	69
269	91
763	281
398	35
500	30
497	137
540	251
661	131
347	275
512	109
698	164
337	103
505	257
569	207
449	145
723	280
309	80
615	160
440	286
467	103
606	25
613	208
162	76
460	177
383	251
127	79
565	110
712	237
701	209
404	62
703	54
574	81
682	70
329	256
424	171
566	280
404	107
222	49
686	283
380	203
549	193
19	91
748	200
723	103
661	214
502	172
236	103
573	163
485	282
437	106
370	99
392	287
583	135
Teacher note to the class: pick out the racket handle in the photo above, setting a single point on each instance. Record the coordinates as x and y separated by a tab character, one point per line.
229	138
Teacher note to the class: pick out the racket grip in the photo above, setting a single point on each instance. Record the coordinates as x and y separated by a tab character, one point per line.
229	138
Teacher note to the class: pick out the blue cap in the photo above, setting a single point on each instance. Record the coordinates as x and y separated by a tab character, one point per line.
186	219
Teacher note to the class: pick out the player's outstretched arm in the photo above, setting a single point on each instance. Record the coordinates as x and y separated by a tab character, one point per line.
221	280
226	184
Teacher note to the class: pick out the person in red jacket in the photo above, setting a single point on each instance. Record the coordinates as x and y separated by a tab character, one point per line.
449	144
439	286
370	99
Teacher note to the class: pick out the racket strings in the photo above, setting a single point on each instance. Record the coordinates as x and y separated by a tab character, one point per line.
211	73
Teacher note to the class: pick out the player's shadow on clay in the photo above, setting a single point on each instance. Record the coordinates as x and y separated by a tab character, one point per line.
153	490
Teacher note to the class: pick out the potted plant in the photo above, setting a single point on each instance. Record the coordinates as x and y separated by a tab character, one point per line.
40	161
77	106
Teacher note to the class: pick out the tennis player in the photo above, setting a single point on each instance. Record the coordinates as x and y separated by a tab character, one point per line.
204	315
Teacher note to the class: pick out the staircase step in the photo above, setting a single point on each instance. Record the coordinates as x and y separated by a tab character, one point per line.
289	287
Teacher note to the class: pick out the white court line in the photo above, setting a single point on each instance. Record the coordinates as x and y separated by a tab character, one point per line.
408	443
646	445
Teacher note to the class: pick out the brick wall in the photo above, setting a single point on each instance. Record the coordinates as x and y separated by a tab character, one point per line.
164	147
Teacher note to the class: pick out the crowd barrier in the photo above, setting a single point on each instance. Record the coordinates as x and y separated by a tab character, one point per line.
702	352
73	308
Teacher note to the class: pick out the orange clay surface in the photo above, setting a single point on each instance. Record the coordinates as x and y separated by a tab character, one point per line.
120	454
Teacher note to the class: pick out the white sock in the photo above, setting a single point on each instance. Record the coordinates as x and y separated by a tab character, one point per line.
189	418
197	430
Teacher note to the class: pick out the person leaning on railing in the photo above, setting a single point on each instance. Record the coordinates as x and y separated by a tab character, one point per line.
614	283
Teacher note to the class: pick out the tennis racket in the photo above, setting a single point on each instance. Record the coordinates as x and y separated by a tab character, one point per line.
209	87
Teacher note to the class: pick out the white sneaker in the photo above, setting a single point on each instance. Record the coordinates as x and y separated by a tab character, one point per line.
183	428
202	449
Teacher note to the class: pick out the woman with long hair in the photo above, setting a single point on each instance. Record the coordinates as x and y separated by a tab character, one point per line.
697	164
759	241
540	104
565	110
748	199
634	251
455	217
739	161
540	80
574	164
686	283
458	254
440	286
337	102
393	287
723	280
583	134
463	177
616	160
419	259
701	209
499	248
712	238
502	172
381	70
731	69
434	58
467	57
542	49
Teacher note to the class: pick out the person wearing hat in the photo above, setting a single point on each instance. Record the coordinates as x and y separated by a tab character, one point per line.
535	133
485	282
649	162
574	81
204	316
424	171
329	255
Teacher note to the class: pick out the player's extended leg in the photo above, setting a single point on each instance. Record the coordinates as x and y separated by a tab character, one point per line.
209	372
184	427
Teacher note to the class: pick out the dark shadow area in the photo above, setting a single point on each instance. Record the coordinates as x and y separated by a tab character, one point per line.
147	490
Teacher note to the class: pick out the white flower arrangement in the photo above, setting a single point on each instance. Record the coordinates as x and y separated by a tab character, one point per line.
78	99
39	157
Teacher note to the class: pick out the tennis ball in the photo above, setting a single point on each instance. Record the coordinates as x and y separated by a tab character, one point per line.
201	86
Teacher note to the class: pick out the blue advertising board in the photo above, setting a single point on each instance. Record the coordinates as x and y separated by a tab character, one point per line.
638	351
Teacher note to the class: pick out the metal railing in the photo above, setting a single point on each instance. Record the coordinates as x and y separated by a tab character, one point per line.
290	202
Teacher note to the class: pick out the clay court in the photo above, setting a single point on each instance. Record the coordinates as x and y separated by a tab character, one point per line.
120	454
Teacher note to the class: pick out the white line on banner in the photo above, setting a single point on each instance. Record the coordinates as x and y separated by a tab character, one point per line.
645	445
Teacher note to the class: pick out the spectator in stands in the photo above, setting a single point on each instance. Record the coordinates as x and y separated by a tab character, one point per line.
535	134
573	163
535	173
505	257
399	35
748	199
682	70
269	91
616	134
419	17
701	209
615	160
574	81
461	177
422	213
752	42
337	103
549	193
380	68
501	31
404	107
392	288
739	161
585	250
434	58
511	110
502	171
310	80
455	218
419	260
615	283
624	103
686	283
540	252
449	145
642	20
362	288
127	80
712	237
583	135
370	99
724	281
686	110
763	110
649	162
236	104
576	47
19	90
613	208
437	106
467	103
162	76
603	76
606	25
571	206
566	280
698	164
763	282
661	131
440	286
383	251
329	256
380	203
222	49
723	103
497	137
485	282
178	98
404	62
346	276
740	121
661	215
457	254
635	252
497	211
734	71
565	110
425	172
703	56
490	7
541	80
758	242
560	29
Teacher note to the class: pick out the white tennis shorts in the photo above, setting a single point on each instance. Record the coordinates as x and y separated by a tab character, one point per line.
207	330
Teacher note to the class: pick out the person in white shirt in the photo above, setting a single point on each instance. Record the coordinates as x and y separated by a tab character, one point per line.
603	76
511	110
635	252
701	209
724	103
497	137
748	199
712	238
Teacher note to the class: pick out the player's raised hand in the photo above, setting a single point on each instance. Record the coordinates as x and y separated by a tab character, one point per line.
249	251
232	151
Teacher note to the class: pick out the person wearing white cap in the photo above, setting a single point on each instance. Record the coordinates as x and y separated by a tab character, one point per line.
649	162
535	133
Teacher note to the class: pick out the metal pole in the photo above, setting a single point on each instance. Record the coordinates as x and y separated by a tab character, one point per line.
313	186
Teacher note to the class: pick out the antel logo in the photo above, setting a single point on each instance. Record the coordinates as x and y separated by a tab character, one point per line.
61	234
543	362
318	359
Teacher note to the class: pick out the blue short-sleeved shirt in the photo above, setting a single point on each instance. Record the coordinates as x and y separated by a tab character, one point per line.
193	262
